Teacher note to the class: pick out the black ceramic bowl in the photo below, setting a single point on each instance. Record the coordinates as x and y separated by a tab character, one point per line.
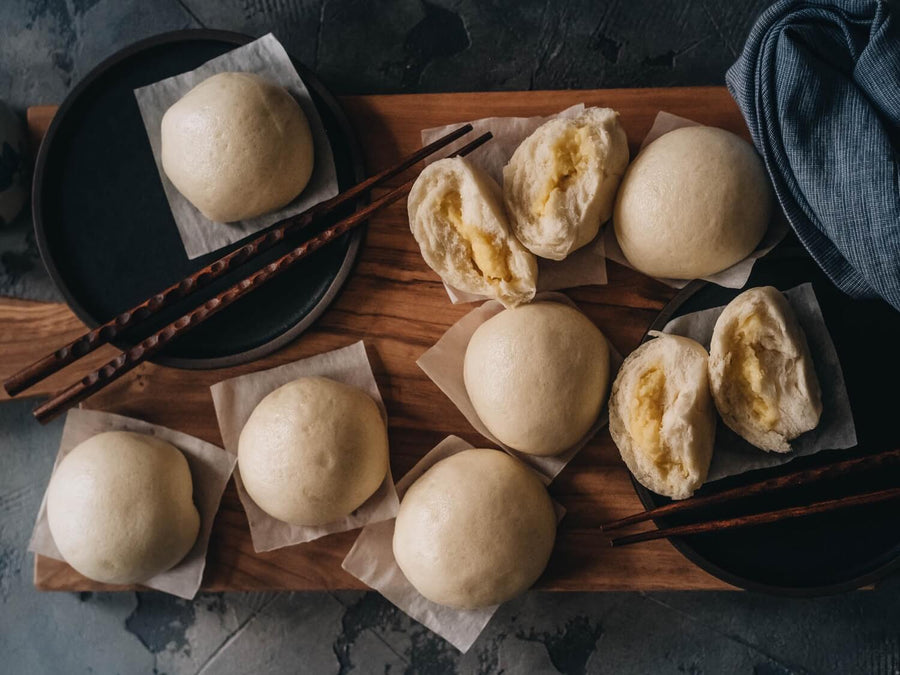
831	552
107	236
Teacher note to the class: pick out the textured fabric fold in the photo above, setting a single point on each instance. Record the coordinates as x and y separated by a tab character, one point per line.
818	84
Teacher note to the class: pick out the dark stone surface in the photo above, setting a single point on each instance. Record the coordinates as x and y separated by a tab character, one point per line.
379	46
391	47
376	46
352	632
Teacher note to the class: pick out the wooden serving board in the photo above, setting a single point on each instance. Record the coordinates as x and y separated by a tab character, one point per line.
398	306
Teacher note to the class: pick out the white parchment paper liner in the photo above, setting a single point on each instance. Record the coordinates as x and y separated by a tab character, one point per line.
584	267
265	57
236	398
371	560
836	430
210	467
443	364
732	277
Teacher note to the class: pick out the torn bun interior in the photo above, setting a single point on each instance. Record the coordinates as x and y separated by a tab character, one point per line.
761	372
456	216
661	415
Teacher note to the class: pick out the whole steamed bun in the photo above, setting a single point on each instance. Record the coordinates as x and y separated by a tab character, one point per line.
694	202
761	371
537	376
661	415
237	146
561	181
475	530
313	451
456	216
120	507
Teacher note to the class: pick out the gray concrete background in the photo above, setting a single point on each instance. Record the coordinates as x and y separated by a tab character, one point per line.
392	47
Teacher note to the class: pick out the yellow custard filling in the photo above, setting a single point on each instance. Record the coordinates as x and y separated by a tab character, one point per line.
646	419
569	159
747	373
485	254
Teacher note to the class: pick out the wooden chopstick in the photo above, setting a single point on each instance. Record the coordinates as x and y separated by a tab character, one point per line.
768	486
761	518
130	358
62	357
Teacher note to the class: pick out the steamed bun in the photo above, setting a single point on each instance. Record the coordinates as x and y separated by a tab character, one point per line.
537	376
237	146
661	415
560	183
456	216
313	451
475	530
695	201
761	371
120	507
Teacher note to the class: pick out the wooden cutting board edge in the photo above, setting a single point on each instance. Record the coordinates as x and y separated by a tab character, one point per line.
408	112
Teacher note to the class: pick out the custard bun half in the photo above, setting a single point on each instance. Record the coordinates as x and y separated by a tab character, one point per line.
560	184
661	415
761	372
456	216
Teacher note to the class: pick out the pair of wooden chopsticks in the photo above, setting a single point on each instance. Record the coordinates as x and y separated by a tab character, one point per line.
770	486
121	364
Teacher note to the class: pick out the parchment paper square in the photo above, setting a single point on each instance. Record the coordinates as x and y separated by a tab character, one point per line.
443	364
265	57
236	398
836	430
210	467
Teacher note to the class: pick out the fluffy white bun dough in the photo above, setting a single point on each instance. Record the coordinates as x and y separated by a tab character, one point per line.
560	183
313	451
538	376
761	372
456	216
237	146
120	507
474	530
661	415
694	202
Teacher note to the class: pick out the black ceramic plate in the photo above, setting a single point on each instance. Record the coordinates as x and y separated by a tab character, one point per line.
827	553
107	236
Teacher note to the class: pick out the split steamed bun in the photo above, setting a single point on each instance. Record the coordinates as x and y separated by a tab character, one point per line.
561	181
456	215
761	371
537	376
474	530
661	415
237	146
120	507
694	202
313	451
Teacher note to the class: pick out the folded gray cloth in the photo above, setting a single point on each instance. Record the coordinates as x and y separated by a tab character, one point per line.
819	86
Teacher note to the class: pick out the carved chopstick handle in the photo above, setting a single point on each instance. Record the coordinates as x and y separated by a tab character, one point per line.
124	362
59	359
145	349
56	361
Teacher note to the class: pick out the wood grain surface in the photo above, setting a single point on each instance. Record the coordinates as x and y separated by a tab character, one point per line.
396	305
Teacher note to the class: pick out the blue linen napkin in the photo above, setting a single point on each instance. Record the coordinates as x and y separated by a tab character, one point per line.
818	83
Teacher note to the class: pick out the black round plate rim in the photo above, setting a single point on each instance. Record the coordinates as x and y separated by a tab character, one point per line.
238	39
683	547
